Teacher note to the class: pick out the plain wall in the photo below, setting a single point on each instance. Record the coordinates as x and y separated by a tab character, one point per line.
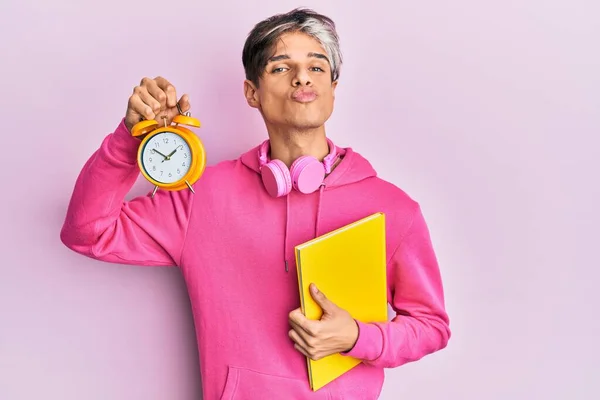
486	112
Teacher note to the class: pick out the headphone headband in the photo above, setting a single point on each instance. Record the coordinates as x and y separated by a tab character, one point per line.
328	161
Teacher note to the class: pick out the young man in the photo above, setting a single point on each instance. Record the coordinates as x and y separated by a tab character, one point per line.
233	239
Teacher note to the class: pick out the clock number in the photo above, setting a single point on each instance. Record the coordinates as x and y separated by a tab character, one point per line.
178	171
183	164
150	159
184	155
180	147
154	168
170	174
156	144
161	172
166	140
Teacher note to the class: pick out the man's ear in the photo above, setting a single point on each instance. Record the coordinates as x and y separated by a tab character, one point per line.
333	86
251	94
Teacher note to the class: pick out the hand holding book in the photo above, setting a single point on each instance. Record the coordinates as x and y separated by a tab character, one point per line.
335	332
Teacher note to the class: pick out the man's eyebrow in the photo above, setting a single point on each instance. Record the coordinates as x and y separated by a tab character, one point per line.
279	58
319	55
286	57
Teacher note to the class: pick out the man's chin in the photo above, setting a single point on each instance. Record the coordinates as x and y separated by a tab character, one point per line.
308	122
300	123
307	125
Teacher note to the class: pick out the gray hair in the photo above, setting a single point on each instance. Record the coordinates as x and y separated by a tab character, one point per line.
261	40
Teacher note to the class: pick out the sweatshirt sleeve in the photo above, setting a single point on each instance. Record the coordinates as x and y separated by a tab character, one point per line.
421	324
100	224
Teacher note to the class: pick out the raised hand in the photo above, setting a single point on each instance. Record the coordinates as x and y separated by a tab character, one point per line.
154	99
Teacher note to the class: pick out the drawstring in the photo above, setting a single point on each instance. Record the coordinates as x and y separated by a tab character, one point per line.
287	224
319	210
285	235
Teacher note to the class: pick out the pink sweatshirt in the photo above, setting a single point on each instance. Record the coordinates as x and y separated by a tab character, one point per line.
231	241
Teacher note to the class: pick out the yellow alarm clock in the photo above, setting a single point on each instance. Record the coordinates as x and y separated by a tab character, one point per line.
171	157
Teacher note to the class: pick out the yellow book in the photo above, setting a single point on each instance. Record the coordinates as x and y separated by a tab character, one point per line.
349	266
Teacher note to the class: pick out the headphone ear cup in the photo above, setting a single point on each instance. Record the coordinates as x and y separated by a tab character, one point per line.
307	174
276	178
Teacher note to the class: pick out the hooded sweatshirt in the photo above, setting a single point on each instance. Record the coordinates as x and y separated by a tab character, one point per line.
234	245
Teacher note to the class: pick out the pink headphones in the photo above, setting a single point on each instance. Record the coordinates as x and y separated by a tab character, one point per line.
305	175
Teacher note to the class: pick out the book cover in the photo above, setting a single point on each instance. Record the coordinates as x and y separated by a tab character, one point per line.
349	266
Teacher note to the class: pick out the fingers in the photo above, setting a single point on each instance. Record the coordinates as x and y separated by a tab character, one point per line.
144	103
301	350
141	107
297	316
154	90
298	339
155	99
326	305
304	347
305	334
300	331
298	319
167	89
184	103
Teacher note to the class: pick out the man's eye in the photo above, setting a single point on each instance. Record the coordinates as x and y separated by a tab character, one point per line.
280	69
319	69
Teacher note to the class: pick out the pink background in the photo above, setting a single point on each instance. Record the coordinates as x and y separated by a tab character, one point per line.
487	112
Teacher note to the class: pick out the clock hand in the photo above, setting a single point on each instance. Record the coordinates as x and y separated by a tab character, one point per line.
160	153
173	152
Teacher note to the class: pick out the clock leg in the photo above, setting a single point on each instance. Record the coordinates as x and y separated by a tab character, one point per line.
154	191
190	186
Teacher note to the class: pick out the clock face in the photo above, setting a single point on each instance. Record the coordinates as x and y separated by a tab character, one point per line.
166	157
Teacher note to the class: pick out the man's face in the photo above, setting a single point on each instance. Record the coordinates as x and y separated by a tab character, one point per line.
295	90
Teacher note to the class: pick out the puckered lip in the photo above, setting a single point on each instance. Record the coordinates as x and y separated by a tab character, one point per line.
304	95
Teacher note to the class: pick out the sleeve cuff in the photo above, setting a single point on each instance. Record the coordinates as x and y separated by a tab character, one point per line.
369	345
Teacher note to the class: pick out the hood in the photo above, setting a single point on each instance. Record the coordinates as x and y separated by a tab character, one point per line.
351	169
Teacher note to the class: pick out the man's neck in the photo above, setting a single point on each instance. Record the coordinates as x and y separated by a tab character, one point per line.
289	146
